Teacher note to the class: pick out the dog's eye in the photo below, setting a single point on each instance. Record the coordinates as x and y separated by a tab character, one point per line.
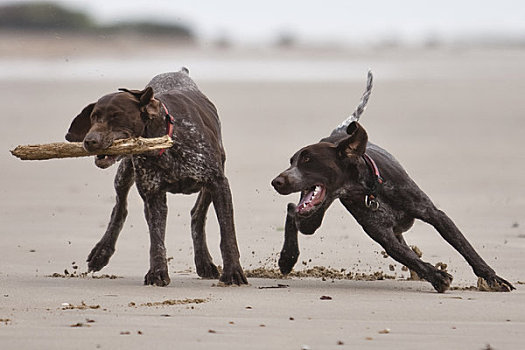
305	158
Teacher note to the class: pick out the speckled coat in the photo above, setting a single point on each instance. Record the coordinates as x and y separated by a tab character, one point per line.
195	163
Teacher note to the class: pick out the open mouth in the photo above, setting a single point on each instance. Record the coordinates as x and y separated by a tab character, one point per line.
311	199
105	161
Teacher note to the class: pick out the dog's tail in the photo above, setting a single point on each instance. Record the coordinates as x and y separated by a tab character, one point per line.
360	108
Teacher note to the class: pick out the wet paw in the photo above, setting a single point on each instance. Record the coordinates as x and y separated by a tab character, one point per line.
287	261
494	284
441	281
99	257
233	275
157	277
207	270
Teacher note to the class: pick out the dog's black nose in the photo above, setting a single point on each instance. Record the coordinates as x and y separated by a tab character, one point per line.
278	182
91	142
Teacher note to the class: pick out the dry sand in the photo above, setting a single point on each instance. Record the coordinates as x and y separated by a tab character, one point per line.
459	135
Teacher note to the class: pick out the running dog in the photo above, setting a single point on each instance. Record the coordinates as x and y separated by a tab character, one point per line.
379	194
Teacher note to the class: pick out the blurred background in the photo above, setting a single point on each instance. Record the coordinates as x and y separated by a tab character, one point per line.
233	39
448	102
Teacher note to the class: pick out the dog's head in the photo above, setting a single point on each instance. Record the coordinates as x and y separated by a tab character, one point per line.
115	116
321	172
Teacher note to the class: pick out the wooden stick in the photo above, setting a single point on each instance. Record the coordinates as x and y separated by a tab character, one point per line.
75	149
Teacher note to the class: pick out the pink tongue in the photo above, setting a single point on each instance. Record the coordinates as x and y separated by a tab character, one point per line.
306	199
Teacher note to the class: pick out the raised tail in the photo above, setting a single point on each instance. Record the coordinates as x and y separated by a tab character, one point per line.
360	108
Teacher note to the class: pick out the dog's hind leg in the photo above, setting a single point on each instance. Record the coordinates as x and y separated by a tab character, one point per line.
222	202
290	252
104	249
449	231
203	261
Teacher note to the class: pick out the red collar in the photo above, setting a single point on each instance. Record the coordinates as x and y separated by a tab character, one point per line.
373	167
170	122
371	198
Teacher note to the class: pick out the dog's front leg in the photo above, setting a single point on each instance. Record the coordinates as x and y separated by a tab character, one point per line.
402	253
104	249
156	210
222	202
290	252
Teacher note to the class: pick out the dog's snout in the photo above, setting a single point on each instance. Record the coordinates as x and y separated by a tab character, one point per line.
92	142
278	182
282	184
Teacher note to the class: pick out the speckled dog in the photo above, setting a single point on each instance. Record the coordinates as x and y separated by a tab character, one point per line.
170	104
377	191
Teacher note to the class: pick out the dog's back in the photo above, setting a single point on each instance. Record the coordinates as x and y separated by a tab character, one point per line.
180	80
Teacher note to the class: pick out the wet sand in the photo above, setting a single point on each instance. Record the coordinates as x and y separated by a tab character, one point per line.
460	136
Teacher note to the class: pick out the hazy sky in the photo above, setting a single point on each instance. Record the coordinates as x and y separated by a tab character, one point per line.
329	20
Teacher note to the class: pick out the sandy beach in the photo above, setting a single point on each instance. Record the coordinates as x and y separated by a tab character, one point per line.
453	118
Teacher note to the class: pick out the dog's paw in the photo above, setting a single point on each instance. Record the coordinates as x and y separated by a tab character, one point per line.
494	284
99	257
287	261
441	280
157	277
207	270
233	275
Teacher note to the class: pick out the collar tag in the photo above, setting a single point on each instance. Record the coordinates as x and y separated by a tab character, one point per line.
371	201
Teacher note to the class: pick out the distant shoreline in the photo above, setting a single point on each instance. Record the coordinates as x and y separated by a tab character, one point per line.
51	44
54	44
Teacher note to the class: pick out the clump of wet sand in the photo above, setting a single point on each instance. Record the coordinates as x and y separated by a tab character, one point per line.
170	302
81	306
66	274
77	274
318	272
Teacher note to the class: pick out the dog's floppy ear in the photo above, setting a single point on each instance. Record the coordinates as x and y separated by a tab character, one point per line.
354	145
144	96
80	125
149	106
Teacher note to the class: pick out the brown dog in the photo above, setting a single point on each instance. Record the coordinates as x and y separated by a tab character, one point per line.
377	191
170	104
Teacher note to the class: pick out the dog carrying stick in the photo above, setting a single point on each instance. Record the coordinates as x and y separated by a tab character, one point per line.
74	149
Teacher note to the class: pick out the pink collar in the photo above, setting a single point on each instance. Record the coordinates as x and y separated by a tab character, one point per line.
371	201
170	122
